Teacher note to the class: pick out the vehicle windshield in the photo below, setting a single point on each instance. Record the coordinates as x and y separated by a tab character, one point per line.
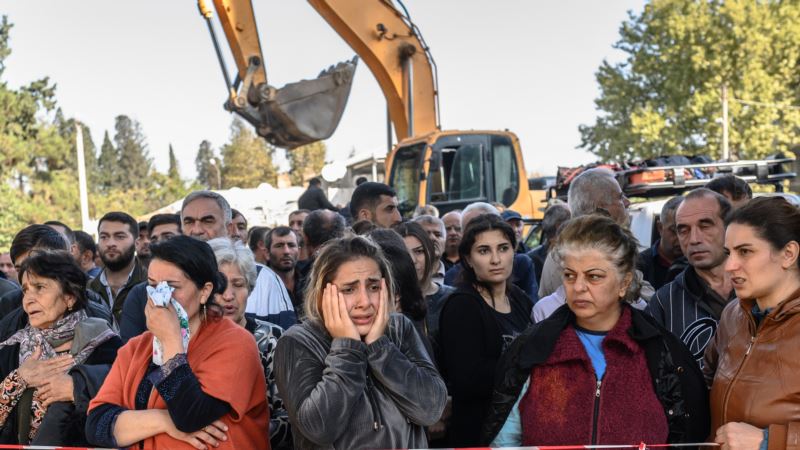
405	176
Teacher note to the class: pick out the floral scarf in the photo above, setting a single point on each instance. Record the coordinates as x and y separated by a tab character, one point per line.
13	386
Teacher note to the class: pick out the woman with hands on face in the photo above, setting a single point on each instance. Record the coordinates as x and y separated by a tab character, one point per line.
194	379
53	356
354	374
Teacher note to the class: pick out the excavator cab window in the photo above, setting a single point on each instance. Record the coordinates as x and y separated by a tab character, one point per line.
506	172
405	176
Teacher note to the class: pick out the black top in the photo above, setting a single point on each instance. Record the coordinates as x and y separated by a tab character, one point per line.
471	341
314	198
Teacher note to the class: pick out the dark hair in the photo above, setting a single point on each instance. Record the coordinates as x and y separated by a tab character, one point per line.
601	232
257	234
554	216
235	212
121	217
412	302
142	227
725	206
361	180
774	220
368	195
277	231
414	229
85	242
321	226
363	227
314	182
733	185
196	259
163	219
670	207
60	266
68	231
36	237
476	226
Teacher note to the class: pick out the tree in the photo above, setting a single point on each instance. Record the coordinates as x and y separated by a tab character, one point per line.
108	172
205	175
134	161
247	159
665	97
174	172
306	162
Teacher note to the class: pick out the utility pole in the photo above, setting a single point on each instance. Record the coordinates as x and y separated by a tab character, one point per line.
725	151
82	177
213	163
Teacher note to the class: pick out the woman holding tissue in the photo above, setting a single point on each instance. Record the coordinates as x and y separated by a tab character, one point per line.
173	386
354	375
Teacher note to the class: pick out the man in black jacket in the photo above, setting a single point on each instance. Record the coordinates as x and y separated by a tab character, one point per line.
314	198
691	305
655	262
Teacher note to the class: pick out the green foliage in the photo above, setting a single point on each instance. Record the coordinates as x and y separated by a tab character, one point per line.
665	97
205	173
306	162
247	159
174	172
134	161
38	162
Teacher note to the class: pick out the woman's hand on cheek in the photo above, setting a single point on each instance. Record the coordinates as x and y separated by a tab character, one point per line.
381	318
337	319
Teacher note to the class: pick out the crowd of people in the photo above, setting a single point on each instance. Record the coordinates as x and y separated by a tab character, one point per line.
352	327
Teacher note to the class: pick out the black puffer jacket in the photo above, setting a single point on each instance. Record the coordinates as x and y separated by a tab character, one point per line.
677	380
64	422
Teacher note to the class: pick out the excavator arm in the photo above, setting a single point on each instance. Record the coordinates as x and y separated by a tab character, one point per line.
393	49
294	115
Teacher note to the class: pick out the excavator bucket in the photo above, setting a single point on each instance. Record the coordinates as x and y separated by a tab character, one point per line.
306	111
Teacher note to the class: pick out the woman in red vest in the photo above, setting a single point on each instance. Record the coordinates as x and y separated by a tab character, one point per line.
597	371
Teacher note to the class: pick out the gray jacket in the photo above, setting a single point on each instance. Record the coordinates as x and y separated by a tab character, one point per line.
342	393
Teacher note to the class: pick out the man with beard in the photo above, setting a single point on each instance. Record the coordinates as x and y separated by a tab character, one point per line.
118	233
655	262
690	306
283	252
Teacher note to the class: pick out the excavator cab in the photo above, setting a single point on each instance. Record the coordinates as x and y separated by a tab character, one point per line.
296	114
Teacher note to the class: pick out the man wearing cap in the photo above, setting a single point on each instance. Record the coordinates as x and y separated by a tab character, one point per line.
514	219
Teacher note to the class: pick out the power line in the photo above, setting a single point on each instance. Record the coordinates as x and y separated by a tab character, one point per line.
767	105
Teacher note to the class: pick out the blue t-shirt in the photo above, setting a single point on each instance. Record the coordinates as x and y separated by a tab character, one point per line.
593	343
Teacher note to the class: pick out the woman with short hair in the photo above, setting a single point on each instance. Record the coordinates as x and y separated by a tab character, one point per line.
355	375
175	386
752	362
597	371
53	357
238	265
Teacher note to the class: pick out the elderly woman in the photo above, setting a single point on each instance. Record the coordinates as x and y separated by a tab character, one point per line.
353	375
478	322
53	357
755	394
179	385
597	371
238	265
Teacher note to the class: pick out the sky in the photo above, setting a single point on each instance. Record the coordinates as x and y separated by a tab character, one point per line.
524	65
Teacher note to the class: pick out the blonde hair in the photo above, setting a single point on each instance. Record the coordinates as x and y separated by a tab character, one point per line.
331	256
601	233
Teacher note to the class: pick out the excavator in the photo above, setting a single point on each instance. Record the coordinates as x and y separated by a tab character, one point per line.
448	169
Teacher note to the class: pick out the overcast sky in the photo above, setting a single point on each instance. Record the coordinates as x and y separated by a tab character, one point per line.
519	64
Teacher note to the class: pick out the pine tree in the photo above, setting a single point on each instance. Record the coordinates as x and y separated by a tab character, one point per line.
174	172
134	161
205	173
107	174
